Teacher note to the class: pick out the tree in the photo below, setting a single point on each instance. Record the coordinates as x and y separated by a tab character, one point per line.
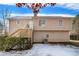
75	26
4	14
76	23
76	19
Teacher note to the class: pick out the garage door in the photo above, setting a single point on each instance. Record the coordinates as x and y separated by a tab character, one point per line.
60	36
51	36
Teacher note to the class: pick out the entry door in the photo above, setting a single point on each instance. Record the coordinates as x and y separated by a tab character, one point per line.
50	39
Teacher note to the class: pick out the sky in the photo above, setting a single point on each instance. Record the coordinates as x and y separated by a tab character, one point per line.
60	9
71	9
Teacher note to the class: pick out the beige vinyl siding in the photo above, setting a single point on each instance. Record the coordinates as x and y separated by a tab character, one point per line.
53	36
18	24
53	24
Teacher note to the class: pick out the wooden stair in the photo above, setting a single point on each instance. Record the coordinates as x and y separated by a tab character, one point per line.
22	33
15	32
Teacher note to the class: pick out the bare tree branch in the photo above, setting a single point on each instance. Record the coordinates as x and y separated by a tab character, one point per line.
4	14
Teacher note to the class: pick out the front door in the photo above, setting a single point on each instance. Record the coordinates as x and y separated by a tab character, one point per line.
46	39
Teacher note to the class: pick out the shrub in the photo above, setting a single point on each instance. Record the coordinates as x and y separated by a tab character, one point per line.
24	43
10	42
2	40
17	43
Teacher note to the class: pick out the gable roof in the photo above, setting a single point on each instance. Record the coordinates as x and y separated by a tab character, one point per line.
30	17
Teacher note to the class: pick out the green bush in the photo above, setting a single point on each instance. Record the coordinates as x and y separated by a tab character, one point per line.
23	43
2	40
8	43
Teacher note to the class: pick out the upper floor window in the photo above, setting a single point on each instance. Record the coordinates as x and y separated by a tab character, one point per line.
42	22
60	22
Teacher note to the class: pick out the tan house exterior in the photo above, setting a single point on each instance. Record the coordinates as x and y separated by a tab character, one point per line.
52	28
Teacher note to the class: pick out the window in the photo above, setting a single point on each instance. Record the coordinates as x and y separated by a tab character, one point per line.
60	22
42	22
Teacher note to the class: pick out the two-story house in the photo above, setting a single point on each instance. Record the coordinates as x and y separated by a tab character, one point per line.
52	28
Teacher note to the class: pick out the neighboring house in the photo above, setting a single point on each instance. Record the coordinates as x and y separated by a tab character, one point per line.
1	29
52	28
